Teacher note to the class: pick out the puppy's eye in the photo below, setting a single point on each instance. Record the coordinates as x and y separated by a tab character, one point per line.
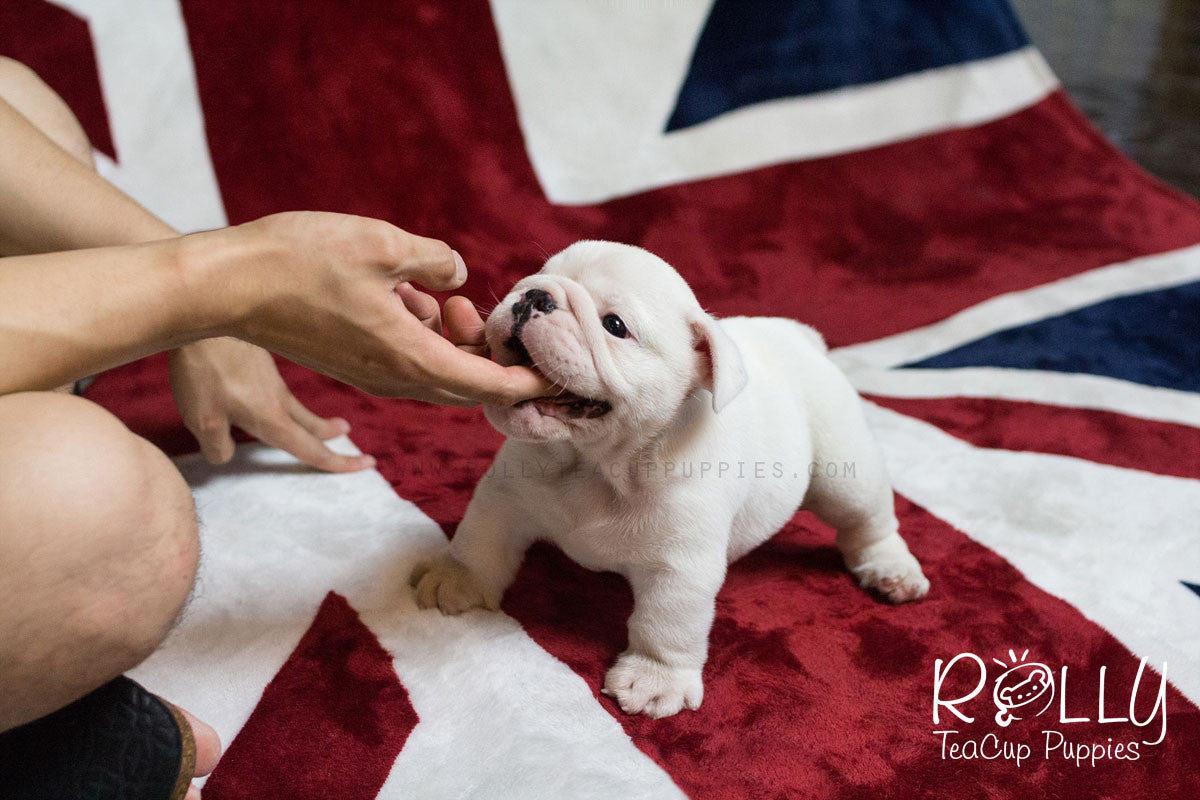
615	325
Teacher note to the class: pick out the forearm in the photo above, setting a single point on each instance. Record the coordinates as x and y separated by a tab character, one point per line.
49	201
319	289
67	315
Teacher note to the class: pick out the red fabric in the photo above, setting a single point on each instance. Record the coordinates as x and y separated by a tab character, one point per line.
329	725
815	689
402	111
57	45
1102	436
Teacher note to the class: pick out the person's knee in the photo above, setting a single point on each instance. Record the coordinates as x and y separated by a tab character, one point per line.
163	570
100	531
86	485
26	92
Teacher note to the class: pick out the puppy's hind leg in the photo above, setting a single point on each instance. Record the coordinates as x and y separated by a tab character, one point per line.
879	558
855	497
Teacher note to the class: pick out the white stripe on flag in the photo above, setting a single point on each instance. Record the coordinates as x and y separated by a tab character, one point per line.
1070	389
595	83
499	717
1143	274
1115	543
149	86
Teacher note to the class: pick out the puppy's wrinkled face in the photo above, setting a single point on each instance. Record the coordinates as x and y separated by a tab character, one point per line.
615	328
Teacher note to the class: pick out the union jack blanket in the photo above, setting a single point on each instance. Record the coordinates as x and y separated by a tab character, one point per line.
1016	300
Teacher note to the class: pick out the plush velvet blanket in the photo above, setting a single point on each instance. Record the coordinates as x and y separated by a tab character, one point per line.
1016	300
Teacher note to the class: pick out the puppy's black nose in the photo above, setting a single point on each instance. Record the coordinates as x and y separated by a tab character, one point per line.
540	300
533	300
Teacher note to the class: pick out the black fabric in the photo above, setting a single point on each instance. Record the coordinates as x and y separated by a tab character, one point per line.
751	51
118	743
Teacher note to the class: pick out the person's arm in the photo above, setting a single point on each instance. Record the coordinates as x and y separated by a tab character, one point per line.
67	315
320	289
50	201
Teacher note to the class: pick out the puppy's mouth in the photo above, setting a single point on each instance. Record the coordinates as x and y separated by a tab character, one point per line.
564	405
567	406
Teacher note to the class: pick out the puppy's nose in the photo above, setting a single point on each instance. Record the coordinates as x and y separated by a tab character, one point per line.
533	300
540	300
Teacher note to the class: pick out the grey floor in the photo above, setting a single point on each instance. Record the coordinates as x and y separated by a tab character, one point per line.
1133	66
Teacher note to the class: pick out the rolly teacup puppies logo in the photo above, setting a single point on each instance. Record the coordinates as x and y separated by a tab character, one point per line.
1026	689
1021	689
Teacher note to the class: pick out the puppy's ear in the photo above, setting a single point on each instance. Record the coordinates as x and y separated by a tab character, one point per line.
720	361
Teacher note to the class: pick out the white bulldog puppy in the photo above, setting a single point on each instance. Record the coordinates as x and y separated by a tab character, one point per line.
677	444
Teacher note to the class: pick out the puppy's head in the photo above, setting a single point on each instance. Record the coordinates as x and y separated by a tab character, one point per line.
622	336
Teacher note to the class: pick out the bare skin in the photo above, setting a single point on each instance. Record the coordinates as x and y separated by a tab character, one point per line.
100	524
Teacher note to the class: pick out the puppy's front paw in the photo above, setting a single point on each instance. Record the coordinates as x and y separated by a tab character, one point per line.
888	568
642	685
447	584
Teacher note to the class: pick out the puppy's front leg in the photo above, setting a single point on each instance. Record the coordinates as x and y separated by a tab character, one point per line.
481	561
660	672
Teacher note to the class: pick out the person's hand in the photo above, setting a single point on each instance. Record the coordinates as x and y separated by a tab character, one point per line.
220	383
464	327
325	290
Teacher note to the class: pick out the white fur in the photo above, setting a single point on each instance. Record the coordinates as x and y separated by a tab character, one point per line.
705	455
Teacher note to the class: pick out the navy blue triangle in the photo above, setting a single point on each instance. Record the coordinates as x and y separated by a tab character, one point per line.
756	50
1151	338
1194	587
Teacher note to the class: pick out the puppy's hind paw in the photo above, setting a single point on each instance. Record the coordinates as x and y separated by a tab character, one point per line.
444	582
889	568
643	685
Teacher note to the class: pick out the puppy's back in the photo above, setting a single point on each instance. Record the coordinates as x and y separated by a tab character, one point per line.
773	332
792	358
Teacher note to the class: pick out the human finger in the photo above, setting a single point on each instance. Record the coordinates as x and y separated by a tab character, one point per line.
464	326
421	306
215	438
289	435
433	394
474	377
321	427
